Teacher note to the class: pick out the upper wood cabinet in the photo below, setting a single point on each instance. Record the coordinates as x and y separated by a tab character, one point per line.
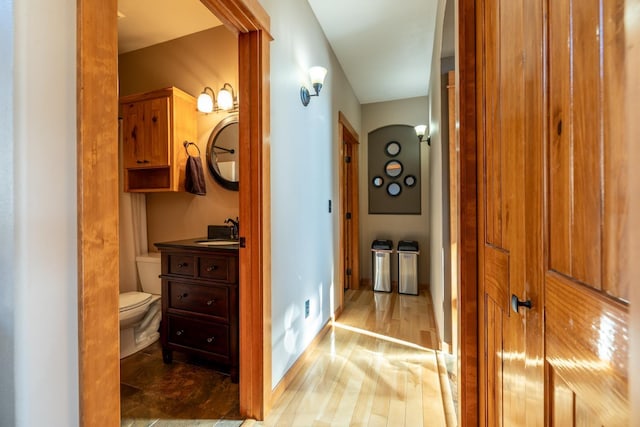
155	126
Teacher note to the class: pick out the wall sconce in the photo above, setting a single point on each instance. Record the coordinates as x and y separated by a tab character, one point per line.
420	131
317	75
226	101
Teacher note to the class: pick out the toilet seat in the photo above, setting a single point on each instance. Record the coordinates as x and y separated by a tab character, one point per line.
132	300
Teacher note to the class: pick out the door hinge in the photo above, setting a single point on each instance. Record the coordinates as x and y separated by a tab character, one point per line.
347	159
348	272
243	242
348	215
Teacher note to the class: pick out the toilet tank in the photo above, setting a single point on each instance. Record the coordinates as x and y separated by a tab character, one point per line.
149	272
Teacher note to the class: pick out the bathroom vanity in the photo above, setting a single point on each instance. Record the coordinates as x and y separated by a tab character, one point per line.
200	301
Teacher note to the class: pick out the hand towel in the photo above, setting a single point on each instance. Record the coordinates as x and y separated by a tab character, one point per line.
194	180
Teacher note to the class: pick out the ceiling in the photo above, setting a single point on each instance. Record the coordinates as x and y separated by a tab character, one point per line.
385	50
384	46
143	23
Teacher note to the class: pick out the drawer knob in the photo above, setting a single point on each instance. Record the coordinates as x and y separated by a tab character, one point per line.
211	301
183	295
212	268
182	265
211	339
180	332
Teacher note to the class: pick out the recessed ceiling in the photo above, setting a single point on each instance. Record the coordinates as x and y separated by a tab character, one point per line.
143	23
384	46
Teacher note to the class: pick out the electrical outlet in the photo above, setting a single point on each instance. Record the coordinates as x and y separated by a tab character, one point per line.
306	309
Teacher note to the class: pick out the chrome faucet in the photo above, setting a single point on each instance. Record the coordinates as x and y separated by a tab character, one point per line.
235	227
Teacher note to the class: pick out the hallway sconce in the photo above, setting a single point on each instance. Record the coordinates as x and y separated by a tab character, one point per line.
226	101
420	131
317	75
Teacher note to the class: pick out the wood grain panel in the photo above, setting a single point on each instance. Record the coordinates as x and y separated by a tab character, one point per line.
535	101
587	345
586	227
560	183
616	163
466	105
494	360
496	276
97	168
563	402
255	377
493	153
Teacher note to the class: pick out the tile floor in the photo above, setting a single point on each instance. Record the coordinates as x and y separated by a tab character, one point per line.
187	392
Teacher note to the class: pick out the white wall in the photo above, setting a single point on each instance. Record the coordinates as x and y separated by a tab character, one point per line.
412	111
304	158
437	282
7	218
43	216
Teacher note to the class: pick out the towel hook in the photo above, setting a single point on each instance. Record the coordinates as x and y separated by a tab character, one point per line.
186	147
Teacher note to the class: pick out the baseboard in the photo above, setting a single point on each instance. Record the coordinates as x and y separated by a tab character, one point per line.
288	377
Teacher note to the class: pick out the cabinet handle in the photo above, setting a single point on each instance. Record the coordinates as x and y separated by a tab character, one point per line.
154	119
183	295
182	265
180	332
212	268
211	339
139	161
211	301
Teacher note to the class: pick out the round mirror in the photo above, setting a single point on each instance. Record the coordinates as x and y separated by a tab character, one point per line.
393	168
222	153
378	181
393	189
392	148
409	180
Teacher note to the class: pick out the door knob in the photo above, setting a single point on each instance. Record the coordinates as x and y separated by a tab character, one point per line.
516	303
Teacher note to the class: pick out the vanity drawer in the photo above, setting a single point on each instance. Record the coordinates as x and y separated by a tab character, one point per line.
182	265
205	336
216	268
210	300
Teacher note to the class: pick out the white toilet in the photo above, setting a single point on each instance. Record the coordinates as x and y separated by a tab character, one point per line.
140	312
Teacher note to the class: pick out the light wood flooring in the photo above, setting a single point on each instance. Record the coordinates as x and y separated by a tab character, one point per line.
377	366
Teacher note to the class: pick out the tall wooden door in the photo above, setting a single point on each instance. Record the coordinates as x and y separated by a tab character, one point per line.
349	211
552	215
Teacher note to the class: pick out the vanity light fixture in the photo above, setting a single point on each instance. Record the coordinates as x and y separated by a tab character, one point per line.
420	131
226	100
317	75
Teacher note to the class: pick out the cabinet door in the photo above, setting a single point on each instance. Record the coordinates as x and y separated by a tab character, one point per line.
133	134
156	144
146	133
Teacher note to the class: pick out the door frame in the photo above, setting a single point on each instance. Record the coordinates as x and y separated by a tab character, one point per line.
98	241
348	136
467	69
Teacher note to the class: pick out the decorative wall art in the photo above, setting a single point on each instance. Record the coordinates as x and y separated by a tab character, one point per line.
394	171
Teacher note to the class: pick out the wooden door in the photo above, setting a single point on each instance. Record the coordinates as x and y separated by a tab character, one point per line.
586	326
510	340
349	211
349	255
553	317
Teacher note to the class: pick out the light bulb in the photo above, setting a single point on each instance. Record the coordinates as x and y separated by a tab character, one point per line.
225	100
205	103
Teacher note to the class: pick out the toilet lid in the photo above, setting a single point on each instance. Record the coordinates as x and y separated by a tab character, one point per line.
131	300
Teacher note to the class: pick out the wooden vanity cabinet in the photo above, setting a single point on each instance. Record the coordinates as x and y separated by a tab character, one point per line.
200	305
154	127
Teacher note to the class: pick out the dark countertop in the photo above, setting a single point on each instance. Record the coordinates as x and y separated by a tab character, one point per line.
193	245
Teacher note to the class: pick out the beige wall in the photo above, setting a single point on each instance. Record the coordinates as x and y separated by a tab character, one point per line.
206	58
412	111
